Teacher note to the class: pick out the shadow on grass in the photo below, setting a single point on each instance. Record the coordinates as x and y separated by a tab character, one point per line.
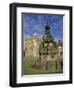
29	68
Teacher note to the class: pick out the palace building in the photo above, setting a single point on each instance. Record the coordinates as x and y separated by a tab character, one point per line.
32	46
41	47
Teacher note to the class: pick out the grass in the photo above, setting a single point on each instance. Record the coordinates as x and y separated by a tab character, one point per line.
29	70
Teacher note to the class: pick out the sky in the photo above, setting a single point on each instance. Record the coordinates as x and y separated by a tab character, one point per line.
35	24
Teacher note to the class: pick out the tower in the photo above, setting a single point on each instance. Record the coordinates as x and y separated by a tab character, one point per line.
47	50
47	36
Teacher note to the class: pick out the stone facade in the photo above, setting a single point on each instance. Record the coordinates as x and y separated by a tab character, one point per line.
32	47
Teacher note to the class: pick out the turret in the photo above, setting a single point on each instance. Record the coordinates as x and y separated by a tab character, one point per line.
47	37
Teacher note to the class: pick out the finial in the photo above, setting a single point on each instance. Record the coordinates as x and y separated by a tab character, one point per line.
47	25
47	22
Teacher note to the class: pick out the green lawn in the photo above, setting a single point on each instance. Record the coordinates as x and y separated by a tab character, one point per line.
29	70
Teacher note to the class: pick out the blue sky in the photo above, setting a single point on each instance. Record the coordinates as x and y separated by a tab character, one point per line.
36	24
